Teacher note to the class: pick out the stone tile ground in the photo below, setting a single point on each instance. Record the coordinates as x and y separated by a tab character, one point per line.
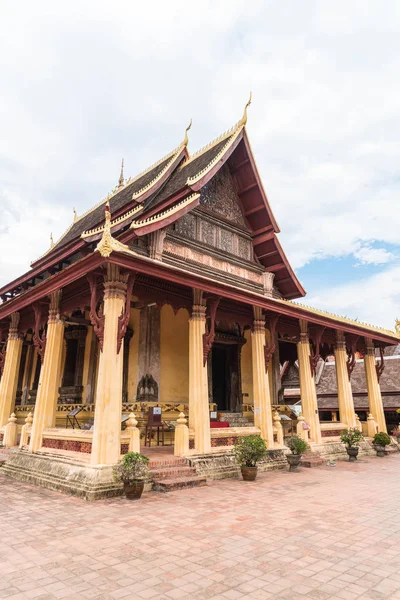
319	534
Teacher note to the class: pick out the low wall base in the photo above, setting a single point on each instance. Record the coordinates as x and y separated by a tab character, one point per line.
63	475
337	450
222	465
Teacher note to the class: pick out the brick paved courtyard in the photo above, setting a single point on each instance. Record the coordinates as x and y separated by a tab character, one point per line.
320	533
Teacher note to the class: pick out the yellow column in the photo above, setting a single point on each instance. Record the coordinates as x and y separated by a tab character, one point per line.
345	394
308	392
199	417
374	390
261	381
49	380
9	379
106	448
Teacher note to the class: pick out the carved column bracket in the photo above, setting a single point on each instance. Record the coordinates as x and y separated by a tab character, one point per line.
209	336
315	356
380	365
270	347
39	338
351	354
123	319
96	316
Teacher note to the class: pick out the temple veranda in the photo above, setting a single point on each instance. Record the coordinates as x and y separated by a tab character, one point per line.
173	293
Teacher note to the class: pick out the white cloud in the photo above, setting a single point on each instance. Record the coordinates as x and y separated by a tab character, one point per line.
367	255
374	300
86	83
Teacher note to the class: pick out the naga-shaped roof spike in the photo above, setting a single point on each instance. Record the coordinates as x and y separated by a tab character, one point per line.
243	120
108	244
51	241
121	179
186	138
75	215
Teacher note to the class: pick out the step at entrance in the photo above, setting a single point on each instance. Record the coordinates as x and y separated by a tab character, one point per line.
311	459
173	474
234	419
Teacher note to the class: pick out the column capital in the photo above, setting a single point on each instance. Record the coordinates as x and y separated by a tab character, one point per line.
340	340
304	339
199	306
370	348
115	283
54	308
13	331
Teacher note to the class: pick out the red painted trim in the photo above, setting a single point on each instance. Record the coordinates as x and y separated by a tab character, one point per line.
210	174
55	282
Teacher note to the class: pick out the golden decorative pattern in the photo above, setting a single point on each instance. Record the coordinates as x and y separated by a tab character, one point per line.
108	244
114	222
165	213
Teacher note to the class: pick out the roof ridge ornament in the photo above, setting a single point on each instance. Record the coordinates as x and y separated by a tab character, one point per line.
186	138
108	244
51	240
121	179
397	327
243	120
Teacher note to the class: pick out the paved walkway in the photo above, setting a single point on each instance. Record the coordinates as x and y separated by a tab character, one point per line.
332	532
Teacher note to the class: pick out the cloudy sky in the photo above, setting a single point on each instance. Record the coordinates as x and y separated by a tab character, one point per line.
86	83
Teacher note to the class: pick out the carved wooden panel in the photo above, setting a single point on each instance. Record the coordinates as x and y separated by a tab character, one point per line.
220	197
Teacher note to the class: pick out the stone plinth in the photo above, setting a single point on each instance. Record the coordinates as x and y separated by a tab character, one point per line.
63	474
222	464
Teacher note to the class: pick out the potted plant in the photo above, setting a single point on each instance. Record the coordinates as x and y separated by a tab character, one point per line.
380	441
351	437
132	471
297	445
248	451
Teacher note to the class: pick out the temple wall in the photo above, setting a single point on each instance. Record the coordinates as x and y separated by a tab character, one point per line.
247	369
133	367
174	355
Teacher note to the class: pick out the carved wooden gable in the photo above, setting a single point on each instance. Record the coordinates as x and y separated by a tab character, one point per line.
219	196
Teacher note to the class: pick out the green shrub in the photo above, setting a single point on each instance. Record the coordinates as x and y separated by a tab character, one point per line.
132	467
381	439
351	437
297	445
249	450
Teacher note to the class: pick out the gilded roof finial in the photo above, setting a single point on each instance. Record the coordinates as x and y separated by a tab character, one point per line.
75	215
243	120
397	327
121	179
108	244
51	241
186	138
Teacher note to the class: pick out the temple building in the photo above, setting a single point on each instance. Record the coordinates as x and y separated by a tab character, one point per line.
172	293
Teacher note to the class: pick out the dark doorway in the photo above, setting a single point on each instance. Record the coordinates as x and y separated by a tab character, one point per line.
219	376
225	375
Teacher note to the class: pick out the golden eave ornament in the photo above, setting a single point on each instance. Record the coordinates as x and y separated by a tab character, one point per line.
108	244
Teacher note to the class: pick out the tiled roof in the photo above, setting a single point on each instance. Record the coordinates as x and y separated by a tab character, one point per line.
95	215
178	179
389	382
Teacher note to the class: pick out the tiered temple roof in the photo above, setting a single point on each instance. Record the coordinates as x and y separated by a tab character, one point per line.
156	199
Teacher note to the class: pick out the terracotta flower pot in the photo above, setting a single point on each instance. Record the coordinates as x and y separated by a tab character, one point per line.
380	450
352	451
133	490
293	460
249	473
